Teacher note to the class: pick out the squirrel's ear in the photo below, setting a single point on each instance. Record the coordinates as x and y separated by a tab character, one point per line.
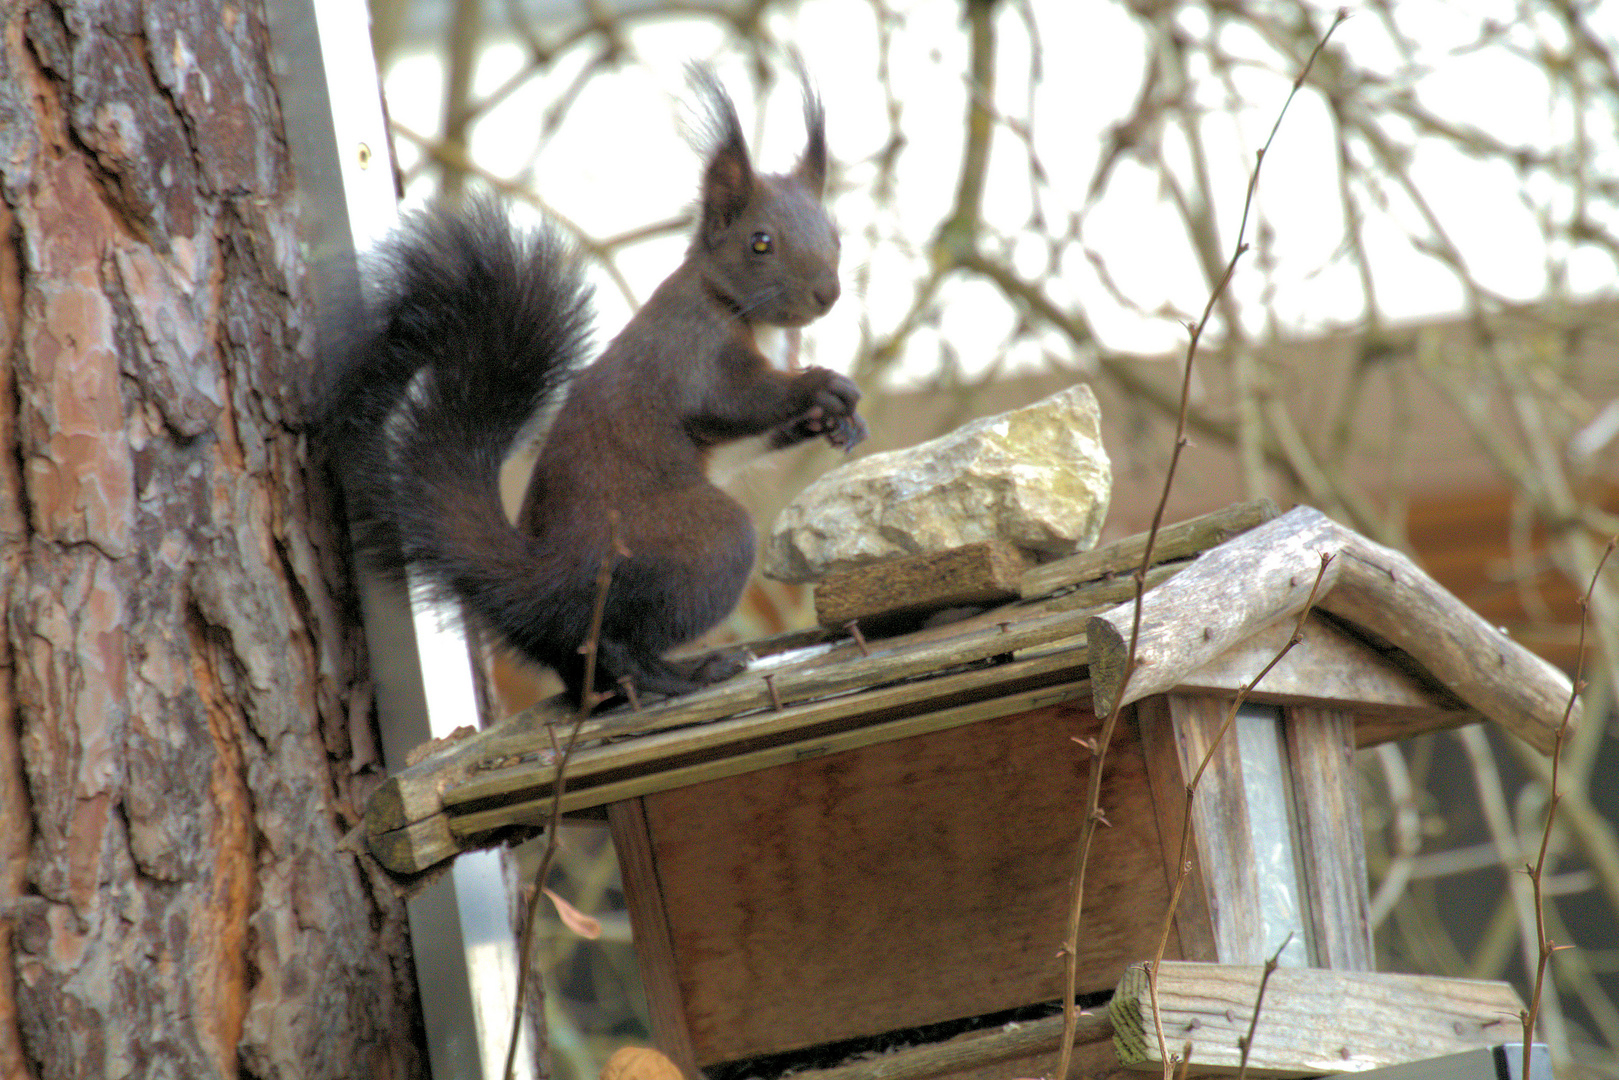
727	184
728	175
811	168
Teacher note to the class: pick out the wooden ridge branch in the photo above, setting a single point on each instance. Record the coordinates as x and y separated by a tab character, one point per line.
1382	591
1262	576
1201	613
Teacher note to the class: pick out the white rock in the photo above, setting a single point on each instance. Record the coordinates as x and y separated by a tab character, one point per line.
1037	477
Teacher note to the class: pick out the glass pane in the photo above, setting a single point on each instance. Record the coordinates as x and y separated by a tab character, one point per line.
1266	783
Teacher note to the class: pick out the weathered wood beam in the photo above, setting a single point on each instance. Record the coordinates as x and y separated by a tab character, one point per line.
1228	594
1382	591
844	670
1111	590
419	846
413	795
1311	1021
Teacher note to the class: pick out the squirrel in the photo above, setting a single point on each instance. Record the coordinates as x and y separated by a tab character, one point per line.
481	325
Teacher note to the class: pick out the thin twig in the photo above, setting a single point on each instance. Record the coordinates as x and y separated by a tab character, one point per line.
588	700
1246	1043
1185	1060
1093	813
1537	871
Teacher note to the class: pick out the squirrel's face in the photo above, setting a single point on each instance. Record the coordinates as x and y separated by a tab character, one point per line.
764	243
776	261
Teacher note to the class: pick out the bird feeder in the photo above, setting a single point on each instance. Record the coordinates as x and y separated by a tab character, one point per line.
864	836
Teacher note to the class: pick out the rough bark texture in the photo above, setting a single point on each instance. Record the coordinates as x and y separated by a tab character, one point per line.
177	763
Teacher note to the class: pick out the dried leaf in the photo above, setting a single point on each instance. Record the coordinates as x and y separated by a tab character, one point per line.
574	919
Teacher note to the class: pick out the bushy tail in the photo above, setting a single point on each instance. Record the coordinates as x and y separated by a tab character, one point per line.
478	325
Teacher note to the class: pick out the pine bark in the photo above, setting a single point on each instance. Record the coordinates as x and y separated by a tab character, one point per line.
182	741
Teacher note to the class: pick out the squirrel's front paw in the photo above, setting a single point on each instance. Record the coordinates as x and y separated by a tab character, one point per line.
848	432
831	414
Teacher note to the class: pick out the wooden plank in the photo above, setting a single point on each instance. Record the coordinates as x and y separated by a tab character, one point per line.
1330	840
418	846
1372	729
1312	1022
461	824
1384	592
1166	778
470	825
1178	541
900	884
889	660
654	953
1327	669
415	794
1228	594
973	1052
982	573
1220	829
1112	590
412	794
524	778
1089	1061
1091	596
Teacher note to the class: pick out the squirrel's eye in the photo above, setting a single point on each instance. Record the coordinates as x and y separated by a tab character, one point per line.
762	244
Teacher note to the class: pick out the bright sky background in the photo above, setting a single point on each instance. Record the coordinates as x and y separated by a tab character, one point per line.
620	161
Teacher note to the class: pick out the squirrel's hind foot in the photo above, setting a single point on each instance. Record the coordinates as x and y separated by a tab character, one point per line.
653	676
715	667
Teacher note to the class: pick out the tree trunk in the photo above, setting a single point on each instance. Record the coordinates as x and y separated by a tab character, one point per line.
180	756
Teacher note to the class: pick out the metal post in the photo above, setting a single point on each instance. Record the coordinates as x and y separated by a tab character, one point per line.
461	925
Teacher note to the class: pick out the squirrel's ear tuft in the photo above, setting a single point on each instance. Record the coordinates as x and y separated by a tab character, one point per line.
728	175
811	168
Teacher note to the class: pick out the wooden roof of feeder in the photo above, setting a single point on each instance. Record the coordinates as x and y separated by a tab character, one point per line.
1387	644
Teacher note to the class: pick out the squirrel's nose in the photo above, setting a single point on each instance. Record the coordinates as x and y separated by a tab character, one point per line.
826	294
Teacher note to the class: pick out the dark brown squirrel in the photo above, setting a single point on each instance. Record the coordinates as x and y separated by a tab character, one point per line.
482	325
